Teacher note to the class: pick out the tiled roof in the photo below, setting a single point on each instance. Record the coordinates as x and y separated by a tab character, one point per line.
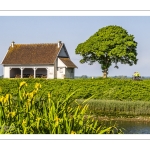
32	54
68	62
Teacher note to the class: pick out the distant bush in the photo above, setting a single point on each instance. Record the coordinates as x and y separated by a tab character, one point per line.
84	76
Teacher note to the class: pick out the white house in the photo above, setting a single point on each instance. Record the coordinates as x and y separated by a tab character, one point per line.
49	60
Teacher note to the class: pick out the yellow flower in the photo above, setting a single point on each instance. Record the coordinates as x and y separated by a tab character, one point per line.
37	86
5	99
34	91
73	132
49	95
23	83
30	95
2	99
28	101
57	121
13	114
24	121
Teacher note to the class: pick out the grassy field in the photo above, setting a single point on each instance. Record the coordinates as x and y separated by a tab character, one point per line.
104	89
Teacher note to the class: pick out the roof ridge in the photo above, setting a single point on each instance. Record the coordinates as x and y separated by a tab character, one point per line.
33	43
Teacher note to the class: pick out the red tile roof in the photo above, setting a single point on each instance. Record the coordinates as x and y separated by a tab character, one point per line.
32	54
68	62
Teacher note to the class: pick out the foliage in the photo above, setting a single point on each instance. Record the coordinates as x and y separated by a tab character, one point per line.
104	89
30	113
110	44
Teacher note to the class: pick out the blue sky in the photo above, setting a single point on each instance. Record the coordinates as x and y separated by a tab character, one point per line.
73	30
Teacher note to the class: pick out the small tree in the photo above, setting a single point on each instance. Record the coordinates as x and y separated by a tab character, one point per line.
111	44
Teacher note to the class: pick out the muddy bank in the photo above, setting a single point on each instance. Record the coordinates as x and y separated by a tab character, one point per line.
138	118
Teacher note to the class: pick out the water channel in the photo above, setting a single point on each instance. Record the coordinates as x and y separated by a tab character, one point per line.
132	126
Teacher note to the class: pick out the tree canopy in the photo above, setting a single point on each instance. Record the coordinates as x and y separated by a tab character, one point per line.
110	44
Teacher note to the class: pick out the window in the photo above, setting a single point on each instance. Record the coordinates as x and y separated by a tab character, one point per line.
71	70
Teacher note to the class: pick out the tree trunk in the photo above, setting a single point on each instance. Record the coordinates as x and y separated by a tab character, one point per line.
105	73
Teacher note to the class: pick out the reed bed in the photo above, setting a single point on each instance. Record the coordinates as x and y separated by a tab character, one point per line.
119	108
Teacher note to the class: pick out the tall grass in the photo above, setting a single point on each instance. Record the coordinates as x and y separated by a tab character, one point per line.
119	108
31	113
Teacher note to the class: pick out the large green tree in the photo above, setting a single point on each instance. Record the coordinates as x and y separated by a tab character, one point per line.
110	44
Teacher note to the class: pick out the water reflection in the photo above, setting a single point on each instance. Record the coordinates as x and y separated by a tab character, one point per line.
133	127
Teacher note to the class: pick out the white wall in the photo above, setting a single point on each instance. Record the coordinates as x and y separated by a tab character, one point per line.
60	63
50	72
60	75
6	72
